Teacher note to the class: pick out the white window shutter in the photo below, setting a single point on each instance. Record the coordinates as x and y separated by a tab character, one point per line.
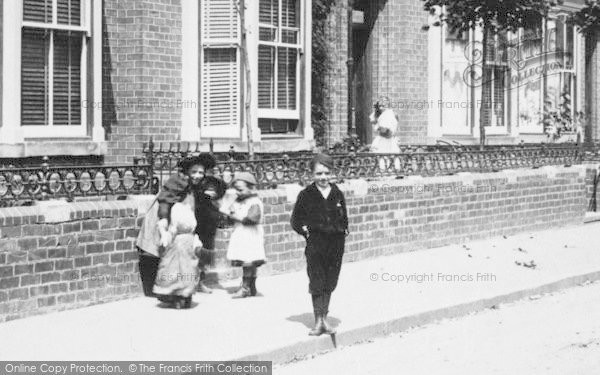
34	77
220	87
220	21
220	65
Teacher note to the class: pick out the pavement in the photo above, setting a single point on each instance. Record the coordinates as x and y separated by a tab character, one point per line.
374	298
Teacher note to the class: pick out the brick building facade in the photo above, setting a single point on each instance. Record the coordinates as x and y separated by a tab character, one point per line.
426	76
100	77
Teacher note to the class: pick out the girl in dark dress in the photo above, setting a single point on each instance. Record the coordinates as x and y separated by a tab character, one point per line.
320	216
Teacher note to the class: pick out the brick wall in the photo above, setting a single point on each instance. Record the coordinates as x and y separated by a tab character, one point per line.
387	217
398	50
55	258
68	256
395	67
142	74
336	80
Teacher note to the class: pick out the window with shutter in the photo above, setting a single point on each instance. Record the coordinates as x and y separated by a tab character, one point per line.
53	58
220	79
34	77
278	65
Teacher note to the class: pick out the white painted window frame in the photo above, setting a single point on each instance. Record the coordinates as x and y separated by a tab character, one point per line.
63	131
436	129
539	129
276	113
191	58
11	131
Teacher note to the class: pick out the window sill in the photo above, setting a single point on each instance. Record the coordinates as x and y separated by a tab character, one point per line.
531	132
46	147
280	143
270	137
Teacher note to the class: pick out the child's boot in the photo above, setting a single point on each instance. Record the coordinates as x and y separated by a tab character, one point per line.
244	291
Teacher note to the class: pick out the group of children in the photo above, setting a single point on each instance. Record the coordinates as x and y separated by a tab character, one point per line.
176	241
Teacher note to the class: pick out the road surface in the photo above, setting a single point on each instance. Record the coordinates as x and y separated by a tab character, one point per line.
556	334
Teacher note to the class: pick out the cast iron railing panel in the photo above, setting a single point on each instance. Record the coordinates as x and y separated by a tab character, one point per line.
45	182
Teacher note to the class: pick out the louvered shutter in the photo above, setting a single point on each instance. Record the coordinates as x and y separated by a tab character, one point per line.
34	76
69	12
67	78
287	59
268	12
220	87
266	76
37	11
268	18
220	65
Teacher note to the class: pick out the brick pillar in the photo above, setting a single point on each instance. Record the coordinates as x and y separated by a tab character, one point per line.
141	74
336	81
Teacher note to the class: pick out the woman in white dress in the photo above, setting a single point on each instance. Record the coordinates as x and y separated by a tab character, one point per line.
385	124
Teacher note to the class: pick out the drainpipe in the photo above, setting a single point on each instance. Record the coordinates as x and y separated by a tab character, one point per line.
350	63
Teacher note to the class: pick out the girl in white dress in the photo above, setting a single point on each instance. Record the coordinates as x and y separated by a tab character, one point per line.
385	124
246	246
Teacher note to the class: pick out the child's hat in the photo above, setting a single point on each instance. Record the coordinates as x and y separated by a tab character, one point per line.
244	176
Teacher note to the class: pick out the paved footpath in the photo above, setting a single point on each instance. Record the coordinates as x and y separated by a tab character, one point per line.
374	298
552	335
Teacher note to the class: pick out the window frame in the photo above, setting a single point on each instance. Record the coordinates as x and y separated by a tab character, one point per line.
492	128
468	127
512	122
49	130
278	113
539	128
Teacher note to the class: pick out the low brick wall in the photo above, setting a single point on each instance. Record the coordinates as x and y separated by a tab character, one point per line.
65	256
72	255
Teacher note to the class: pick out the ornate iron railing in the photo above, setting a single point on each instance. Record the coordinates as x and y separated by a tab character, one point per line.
20	185
176	150
273	169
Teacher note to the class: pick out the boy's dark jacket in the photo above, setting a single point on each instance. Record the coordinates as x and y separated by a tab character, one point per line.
319	215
